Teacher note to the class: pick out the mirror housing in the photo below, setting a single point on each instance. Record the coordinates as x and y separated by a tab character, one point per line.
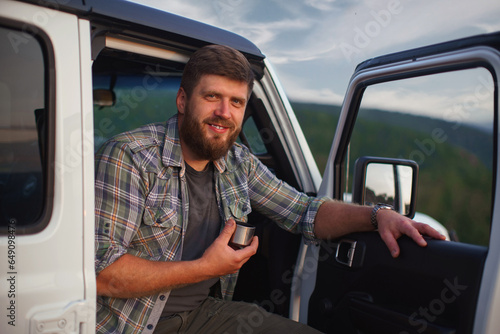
386	180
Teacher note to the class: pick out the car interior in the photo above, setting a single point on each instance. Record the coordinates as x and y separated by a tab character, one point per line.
131	90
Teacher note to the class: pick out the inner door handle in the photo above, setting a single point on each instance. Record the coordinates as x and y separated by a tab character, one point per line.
350	253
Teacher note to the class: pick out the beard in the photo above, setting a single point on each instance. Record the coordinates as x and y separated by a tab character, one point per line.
193	133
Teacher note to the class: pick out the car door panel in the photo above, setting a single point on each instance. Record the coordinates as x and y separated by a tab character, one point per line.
356	285
432	289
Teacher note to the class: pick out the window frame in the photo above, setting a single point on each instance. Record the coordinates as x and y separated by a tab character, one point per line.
48	165
362	82
364	110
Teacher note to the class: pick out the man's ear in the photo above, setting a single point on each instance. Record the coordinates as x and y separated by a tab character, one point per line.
181	100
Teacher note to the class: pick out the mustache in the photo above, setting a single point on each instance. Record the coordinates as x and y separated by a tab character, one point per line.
220	121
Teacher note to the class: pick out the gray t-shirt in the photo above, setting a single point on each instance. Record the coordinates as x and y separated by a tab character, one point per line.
204	224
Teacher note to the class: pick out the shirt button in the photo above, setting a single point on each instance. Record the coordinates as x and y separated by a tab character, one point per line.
150	327
158	220
162	297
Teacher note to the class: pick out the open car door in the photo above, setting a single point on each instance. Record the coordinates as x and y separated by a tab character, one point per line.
433	110
46	172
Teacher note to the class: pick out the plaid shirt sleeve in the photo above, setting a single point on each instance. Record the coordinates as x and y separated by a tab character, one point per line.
292	210
132	217
119	196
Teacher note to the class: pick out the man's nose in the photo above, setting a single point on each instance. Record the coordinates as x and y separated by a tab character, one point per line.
223	109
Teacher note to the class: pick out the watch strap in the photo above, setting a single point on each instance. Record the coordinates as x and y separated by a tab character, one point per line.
375	210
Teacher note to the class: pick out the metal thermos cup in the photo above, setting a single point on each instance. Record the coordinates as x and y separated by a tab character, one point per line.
243	234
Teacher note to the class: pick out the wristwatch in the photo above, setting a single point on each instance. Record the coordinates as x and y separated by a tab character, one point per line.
376	208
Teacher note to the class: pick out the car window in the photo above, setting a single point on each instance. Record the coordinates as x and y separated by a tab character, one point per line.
253	137
23	131
126	102
132	89
444	122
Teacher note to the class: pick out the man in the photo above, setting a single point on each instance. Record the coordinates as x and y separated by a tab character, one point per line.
166	199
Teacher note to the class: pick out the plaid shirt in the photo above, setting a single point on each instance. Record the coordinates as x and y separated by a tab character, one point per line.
142	208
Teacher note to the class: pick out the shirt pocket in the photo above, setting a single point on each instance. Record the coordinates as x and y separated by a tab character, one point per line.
162	217
162	205
239	208
160	234
233	190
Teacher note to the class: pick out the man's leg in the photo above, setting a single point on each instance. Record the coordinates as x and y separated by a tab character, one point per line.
171	324
221	317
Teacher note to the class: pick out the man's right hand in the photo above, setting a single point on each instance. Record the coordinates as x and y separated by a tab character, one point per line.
221	259
131	276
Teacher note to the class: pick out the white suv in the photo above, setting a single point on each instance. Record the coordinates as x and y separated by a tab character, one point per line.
74	73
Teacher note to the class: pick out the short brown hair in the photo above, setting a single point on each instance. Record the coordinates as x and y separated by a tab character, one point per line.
217	60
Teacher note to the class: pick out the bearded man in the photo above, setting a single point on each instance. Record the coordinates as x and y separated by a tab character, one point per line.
167	196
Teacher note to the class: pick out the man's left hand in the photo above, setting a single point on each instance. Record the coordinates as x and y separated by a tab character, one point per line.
392	225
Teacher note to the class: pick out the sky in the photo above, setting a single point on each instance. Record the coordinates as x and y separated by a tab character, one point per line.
315	45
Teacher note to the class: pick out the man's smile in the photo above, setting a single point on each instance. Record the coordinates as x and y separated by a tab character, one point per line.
219	126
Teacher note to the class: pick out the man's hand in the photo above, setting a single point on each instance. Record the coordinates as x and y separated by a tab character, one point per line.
131	276
392	225
221	259
335	219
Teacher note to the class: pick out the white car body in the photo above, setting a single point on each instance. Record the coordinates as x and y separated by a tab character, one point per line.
48	265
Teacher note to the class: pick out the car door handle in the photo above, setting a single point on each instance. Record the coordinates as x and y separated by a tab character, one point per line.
350	253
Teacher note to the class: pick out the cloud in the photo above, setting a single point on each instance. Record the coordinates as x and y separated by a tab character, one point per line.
370	28
321	4
300	55
187	9
322	96
267	35
298	90
338	31
315	44
465	96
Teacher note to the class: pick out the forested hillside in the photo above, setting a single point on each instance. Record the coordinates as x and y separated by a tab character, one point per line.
462	162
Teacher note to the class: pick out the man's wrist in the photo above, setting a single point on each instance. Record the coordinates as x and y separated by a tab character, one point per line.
375	211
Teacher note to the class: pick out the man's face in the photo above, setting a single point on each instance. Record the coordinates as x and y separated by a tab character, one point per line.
211	118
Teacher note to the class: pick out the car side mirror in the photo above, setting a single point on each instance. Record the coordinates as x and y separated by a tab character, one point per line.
386	180
104	98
